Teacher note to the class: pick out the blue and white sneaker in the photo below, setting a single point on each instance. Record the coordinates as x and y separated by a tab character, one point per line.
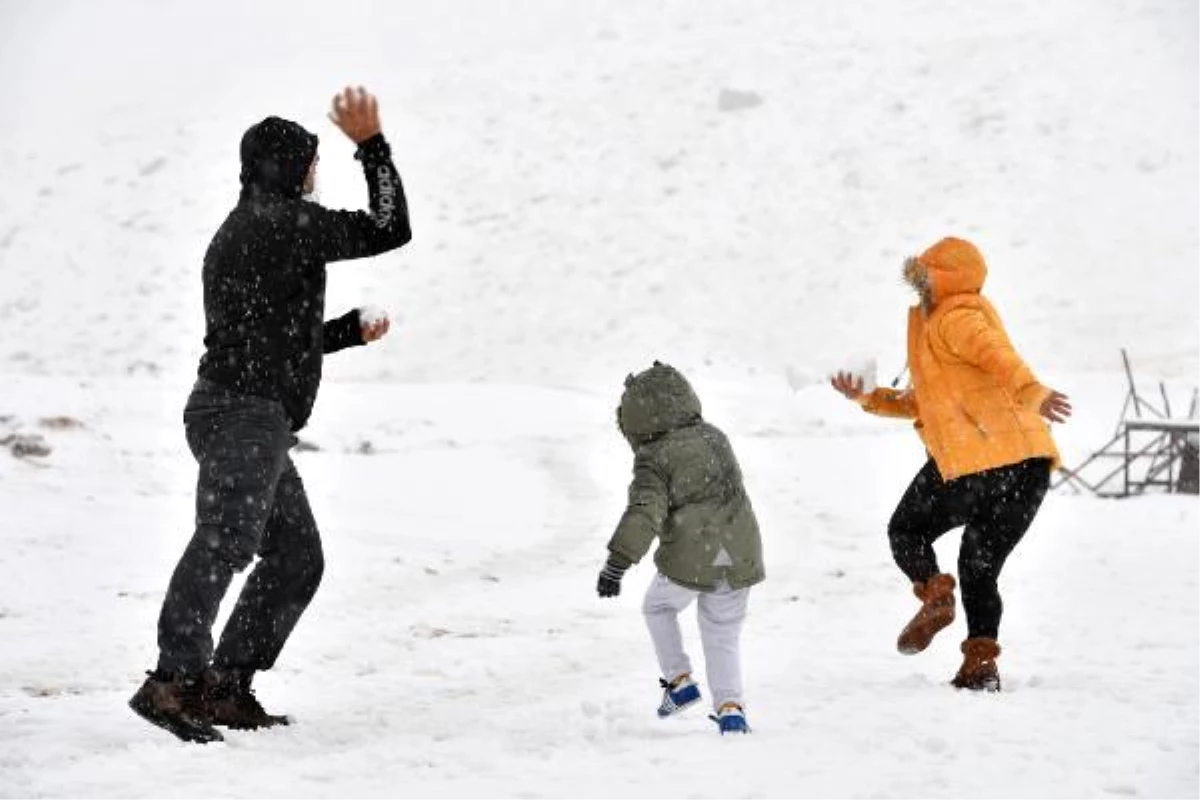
730	719
677	695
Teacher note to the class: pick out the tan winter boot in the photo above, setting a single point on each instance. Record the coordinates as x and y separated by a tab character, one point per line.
936	612
978	671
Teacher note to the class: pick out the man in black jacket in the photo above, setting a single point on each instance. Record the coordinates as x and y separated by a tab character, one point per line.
264	306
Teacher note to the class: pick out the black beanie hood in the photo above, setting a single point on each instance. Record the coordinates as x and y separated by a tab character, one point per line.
276	156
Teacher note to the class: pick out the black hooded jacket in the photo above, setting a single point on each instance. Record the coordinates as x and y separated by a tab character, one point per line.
264	272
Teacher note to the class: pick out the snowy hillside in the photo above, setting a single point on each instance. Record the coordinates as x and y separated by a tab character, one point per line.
728	186
583	199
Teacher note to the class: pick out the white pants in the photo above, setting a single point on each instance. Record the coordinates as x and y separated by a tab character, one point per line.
720	613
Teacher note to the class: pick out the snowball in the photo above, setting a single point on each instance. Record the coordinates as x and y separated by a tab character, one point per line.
371	315
863	367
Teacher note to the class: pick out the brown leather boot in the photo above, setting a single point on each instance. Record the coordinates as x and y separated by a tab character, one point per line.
230	701
978	671
936	612
175	703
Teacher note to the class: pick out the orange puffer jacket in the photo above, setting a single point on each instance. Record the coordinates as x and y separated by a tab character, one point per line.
974	400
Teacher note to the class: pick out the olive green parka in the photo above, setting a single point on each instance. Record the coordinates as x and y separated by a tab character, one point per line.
687	489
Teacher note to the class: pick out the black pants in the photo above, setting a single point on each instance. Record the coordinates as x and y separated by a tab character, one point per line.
996	506
249	501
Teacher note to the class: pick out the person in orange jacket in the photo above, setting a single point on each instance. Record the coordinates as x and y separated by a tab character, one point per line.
982	416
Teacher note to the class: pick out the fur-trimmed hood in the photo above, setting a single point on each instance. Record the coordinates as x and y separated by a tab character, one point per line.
953	266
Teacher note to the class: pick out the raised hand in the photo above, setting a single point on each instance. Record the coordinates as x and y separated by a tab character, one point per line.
356	112
847	384
1056	407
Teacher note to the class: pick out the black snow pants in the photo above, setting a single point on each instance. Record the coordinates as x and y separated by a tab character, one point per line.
997	506
249	501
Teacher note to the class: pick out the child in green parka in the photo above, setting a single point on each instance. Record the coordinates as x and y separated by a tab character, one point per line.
687	492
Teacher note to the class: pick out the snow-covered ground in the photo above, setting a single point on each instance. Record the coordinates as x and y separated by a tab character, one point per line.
457	646
727	186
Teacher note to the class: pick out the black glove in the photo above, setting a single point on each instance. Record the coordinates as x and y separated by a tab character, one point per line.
609	584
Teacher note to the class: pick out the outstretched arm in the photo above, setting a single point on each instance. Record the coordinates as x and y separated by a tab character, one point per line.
343	235
890	403
968	334
882	402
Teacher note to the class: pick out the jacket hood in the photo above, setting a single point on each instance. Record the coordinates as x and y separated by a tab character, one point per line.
655	402
276	156
954	266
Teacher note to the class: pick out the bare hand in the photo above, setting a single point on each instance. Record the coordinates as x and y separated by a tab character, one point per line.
371	331
847	384
1056	407
356	112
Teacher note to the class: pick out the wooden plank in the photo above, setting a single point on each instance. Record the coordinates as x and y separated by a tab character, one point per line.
1164	425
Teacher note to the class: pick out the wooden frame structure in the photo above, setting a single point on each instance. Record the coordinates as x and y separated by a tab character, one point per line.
1145	452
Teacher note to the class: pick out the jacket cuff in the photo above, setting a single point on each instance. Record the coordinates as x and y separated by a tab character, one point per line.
866	401
619	560
343	332
1033	395
375	147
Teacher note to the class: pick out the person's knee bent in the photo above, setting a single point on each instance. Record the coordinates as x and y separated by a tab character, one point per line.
906	543
898	529
232	545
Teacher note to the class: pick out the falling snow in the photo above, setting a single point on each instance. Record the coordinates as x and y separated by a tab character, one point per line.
729	187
